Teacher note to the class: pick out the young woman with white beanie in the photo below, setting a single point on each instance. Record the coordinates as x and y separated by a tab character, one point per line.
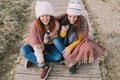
43	31
79	49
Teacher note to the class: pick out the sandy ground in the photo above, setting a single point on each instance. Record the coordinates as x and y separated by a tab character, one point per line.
104	19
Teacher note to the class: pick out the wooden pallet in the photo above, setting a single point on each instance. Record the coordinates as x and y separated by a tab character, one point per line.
59	72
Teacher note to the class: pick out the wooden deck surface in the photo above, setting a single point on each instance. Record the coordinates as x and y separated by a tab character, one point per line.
60	72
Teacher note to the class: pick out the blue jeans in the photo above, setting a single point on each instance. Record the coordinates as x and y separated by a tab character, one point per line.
58	42
56	51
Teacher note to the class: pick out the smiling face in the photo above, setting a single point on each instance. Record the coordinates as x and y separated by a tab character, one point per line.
72	18
45	19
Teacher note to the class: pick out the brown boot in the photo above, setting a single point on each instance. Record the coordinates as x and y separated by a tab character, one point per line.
28	64
73	69
44	72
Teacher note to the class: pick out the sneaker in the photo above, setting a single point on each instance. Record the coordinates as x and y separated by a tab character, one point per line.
73	69
45	72
28	64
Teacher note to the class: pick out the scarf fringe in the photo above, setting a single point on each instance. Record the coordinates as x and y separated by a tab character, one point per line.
83	61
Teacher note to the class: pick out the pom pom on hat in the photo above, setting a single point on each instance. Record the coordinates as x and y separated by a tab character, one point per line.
42	8
74	7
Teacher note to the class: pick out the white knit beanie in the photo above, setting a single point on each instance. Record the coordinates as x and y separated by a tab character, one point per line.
42	8
74	7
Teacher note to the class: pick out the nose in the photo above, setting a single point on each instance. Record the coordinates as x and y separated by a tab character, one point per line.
71	18
45	17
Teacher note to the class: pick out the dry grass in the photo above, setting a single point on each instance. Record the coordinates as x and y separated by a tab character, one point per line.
105	19
13	21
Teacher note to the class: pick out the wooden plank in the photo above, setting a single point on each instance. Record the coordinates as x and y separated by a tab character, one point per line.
58	9
59	3
80	73
57	71
26	77
37	77
70	78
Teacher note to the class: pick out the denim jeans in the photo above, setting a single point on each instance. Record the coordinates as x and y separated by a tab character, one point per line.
55	51
58	42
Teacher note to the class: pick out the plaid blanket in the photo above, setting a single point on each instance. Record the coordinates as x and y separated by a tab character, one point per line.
87	51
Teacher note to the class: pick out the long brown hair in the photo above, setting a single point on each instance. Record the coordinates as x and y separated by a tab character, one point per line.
51	25
77	24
